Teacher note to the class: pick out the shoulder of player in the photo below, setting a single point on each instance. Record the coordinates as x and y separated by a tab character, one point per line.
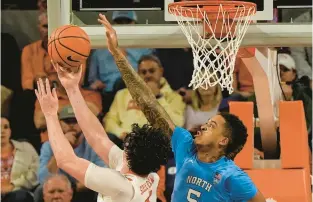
152	178
132	176
232	171
155	176
181	130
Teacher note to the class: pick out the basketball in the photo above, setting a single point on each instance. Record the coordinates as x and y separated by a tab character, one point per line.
69	46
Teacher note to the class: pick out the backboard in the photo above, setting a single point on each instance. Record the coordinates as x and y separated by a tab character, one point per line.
154	30
266	9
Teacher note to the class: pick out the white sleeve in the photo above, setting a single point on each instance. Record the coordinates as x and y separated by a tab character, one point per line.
115	157
107	182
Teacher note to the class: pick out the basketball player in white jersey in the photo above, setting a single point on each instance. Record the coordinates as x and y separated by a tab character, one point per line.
131	174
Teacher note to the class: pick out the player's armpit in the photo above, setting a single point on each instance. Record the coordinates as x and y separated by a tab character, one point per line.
142	94
75	166
258	198
115	157
108	182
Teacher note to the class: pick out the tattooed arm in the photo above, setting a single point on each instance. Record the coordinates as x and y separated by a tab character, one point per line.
143	95
140	92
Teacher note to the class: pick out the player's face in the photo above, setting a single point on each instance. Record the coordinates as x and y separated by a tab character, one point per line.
57	190
150	71
212	133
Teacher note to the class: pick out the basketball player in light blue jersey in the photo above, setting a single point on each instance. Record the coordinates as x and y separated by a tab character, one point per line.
205	168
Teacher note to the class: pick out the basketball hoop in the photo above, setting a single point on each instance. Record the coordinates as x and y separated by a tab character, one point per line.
214	30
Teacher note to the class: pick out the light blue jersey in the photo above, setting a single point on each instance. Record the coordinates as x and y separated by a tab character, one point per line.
196	181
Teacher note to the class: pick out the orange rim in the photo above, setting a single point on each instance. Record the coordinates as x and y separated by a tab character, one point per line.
211	8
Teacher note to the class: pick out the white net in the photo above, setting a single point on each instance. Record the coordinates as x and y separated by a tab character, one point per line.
214	40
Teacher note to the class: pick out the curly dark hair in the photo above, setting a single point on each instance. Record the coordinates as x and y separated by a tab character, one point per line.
237	133
146	149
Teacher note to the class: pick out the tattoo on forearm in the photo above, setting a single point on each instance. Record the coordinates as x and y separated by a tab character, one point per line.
144	97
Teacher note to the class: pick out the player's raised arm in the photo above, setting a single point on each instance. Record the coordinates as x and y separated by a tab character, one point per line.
88	122
62	150
103	180
140	92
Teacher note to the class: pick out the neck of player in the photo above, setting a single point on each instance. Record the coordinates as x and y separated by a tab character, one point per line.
209	155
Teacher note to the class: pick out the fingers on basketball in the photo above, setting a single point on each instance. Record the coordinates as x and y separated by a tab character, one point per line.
80	70
75	73
57	67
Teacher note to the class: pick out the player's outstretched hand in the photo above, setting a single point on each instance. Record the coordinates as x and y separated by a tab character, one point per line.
68	79
110	33
47	98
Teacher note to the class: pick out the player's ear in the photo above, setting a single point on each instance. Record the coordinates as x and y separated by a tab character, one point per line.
224	141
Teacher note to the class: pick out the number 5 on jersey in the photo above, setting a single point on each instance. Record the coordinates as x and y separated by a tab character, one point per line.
192	194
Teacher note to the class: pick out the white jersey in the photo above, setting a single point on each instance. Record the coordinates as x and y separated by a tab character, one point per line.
113	186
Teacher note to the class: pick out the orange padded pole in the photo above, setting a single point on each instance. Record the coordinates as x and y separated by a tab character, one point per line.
265	108
294	139
293	135
244	110
283	185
